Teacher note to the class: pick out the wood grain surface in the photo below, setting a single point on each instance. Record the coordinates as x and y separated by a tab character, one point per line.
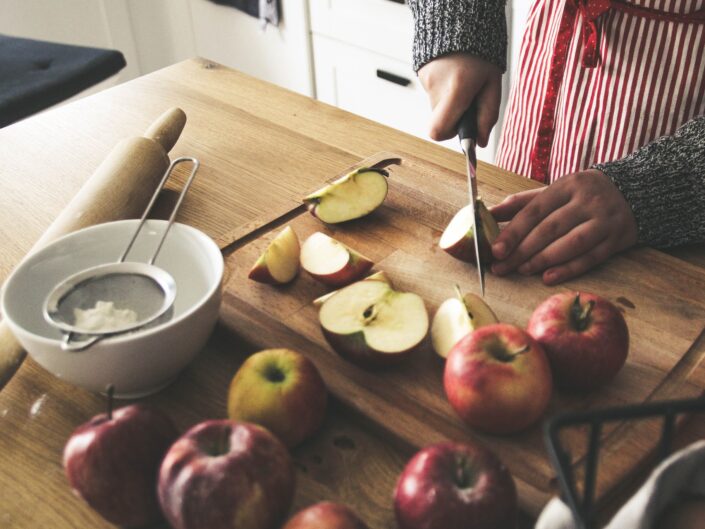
664	313
261	149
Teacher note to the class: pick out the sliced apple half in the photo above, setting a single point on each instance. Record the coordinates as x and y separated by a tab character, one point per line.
457	238
372	325
456	317
352	196
331	262
377	276
279	263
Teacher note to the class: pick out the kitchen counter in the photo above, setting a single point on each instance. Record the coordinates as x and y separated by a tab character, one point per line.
262	148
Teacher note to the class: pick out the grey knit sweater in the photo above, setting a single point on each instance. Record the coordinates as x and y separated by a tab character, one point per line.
663	182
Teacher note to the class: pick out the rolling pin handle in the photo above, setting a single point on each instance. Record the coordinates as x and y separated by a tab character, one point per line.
167	128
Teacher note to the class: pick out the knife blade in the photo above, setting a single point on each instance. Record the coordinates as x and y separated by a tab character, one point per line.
467	133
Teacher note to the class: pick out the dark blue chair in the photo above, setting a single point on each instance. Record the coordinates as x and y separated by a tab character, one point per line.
35	75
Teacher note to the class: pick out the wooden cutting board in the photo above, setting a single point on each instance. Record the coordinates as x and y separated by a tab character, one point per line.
658	294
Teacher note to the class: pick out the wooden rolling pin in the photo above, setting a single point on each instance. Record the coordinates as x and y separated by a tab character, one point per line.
120	188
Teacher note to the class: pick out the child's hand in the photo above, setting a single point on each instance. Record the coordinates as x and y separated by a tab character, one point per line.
565	229
453	82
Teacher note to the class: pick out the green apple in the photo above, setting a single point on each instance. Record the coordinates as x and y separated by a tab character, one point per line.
281	390
352	196
458	237
331	262
279	263
372	325
456	317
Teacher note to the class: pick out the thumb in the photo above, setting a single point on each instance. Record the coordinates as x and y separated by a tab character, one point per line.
510	206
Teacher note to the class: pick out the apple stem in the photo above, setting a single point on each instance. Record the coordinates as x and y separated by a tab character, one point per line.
580	315
110	390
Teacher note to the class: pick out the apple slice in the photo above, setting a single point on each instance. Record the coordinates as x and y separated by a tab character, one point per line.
377	276
457	238
331	262
372	325
352	196
456	317
279	263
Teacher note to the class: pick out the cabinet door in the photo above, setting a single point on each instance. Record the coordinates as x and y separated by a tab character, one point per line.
377	87
381	26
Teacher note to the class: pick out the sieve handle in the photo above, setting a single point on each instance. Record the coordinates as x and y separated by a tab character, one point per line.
73	347
166	176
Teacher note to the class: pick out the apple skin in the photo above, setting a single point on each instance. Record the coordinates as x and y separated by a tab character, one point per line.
313	200
326	515
357	266
223	474
261	272
464	248
113	463
430	493
493	395
281	390
583	354
353	348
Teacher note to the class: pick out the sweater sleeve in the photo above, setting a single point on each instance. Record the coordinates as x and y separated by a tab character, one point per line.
446	26
664	183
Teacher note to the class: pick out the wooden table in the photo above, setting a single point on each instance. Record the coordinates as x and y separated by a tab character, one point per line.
262	148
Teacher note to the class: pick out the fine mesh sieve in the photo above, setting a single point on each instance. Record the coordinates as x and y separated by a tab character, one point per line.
115	298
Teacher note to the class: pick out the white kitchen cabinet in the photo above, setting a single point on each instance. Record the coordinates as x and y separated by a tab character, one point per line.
370	84
280	55
356	45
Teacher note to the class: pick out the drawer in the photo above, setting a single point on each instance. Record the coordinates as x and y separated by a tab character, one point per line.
379	88
381	26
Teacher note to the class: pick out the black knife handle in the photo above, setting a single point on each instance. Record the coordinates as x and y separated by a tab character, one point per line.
467	126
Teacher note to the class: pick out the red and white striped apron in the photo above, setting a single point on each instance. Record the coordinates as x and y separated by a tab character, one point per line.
598	79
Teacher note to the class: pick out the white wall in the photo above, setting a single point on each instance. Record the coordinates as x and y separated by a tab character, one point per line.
280	55
97	23
162	32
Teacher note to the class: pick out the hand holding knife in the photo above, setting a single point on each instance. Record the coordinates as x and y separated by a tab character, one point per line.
467	133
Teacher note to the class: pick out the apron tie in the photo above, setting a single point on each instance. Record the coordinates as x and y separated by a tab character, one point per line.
589	11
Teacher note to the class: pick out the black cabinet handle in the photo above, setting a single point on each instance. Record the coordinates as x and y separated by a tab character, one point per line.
392	78
398	1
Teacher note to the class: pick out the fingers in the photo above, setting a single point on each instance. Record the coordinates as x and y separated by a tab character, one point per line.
578	241
580	264
558	237
446	114
543	204
510	206
488	110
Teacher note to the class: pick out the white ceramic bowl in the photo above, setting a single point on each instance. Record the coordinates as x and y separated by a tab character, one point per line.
140	362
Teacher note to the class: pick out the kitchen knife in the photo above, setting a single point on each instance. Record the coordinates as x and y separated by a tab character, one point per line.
467	133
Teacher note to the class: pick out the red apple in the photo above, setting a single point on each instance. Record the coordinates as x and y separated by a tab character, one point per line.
458	237
112	463
455	486
279	263
372	325
352	196
585	338
498	379
226	475
281	390
456	317
377	276
331	262
326	515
